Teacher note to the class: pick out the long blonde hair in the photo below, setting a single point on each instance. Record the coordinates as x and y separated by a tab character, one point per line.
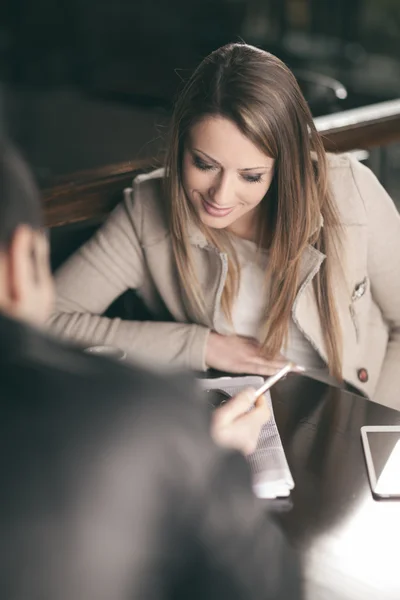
258	93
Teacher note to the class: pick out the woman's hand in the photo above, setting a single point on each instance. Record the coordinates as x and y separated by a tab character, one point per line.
234	425
236	354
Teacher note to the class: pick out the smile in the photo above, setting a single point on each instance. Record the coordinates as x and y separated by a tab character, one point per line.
215	211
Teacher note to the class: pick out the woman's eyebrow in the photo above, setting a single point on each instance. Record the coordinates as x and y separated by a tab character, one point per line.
213	160
264	167
207	156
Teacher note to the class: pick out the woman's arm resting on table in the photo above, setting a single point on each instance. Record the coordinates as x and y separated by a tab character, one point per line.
238	354
105	267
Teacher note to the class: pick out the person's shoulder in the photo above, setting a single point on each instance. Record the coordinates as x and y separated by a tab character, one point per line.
57	370
109	410
347	166
148	198
341	165
346	174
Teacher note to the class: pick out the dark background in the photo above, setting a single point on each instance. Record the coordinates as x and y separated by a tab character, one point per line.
91	82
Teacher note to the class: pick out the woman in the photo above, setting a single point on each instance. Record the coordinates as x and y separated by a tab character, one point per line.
255	244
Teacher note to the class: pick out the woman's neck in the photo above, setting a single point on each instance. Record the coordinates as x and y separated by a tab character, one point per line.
251	228
245	227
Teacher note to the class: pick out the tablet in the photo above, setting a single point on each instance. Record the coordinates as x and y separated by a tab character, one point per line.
381	445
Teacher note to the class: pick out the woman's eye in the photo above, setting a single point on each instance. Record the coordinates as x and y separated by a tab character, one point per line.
252	178
202	165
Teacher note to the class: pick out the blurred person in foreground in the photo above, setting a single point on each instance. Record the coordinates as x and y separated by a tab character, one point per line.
112	487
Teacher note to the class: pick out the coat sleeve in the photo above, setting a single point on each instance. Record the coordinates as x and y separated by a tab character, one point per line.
383	221
105	267
247	555
226	541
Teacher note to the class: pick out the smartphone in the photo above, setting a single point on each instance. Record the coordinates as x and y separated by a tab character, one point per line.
381	445
217	397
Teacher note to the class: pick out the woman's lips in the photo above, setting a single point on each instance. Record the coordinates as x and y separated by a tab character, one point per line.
215	212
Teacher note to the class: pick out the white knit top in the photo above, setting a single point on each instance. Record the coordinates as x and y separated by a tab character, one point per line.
250	305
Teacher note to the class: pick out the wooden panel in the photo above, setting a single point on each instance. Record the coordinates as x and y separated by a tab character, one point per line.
90	194
365	127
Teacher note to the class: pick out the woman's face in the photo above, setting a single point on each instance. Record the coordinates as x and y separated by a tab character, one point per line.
225	176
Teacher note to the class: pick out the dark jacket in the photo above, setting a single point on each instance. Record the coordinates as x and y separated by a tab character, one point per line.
111	488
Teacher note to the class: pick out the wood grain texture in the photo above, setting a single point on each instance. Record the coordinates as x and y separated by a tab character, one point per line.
91	194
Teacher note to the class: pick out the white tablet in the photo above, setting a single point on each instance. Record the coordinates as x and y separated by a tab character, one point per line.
382	454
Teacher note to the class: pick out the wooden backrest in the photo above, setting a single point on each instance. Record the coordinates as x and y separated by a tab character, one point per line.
76	204
90	195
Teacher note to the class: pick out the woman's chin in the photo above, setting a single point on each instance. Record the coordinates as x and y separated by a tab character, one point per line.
215	222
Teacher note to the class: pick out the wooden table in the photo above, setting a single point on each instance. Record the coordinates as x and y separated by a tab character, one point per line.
349	543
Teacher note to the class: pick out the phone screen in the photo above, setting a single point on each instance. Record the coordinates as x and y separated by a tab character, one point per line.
385	454
217	398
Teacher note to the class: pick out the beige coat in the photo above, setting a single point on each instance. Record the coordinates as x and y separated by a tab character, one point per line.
133	250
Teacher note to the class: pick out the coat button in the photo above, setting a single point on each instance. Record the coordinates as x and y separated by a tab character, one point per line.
363	375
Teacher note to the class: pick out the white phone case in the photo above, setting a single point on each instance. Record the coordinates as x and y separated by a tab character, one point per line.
369	460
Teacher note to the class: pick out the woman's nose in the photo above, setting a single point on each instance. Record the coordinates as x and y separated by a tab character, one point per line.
221	193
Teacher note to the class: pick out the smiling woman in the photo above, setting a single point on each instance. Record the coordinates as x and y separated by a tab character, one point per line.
241	167
253	246
217	181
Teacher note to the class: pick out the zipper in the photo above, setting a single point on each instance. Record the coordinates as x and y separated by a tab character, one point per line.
224	271
310	276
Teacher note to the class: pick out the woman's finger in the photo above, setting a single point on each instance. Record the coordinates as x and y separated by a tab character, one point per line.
274	363
261	408
265	370
251	342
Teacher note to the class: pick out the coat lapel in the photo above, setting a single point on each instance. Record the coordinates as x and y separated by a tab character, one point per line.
209	268
208	265
305	311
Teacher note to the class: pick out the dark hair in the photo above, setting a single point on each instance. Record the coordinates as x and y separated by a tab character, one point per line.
19	197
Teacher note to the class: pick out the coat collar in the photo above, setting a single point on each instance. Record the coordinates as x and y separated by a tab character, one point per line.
311	259
310	264
196	236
